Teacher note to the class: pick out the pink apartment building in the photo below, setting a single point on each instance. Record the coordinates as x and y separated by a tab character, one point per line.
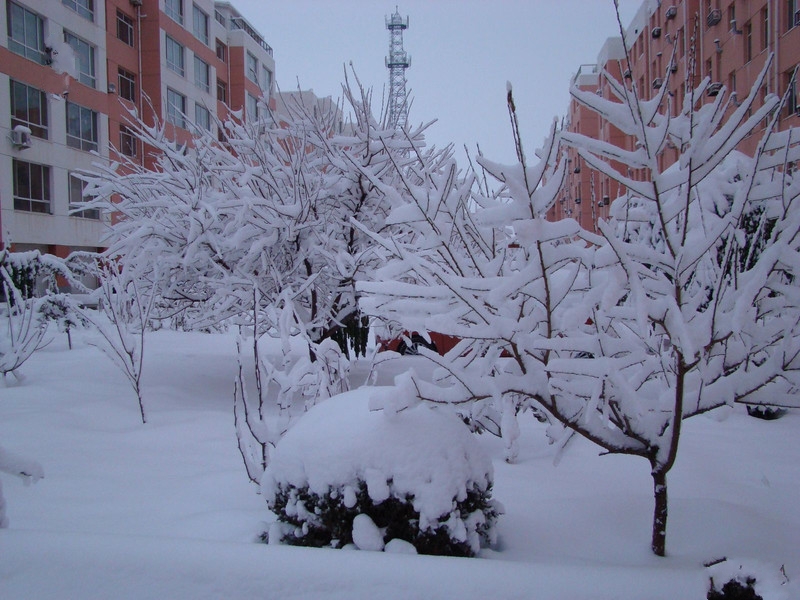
733	39
71	72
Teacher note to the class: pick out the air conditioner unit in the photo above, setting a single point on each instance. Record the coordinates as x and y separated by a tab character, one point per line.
656	32
136	3
672	12
714	17
657	83
21	137
714	88
577	200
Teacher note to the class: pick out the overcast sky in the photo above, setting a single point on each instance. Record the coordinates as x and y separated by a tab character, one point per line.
462	51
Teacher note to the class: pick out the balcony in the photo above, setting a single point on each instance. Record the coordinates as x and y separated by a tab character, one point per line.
239	23
714	17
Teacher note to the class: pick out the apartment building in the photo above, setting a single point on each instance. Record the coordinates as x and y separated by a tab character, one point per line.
676	44
72	74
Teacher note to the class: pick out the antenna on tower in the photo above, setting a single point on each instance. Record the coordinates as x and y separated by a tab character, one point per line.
397	62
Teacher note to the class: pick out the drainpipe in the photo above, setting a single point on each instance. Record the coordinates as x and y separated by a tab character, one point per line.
140	103
773	13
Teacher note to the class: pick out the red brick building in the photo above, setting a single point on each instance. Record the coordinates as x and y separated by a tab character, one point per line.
732	40
71	73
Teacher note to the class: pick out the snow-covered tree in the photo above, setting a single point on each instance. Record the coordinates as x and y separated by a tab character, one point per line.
255	231
621	336
125	298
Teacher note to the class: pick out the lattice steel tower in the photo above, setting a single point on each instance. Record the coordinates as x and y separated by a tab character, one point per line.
397	62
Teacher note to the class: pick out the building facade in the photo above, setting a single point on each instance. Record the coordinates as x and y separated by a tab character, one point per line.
676	43
72	75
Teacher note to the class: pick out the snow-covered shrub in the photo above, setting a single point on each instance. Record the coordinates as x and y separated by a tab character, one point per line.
745	579
734	590
59	308
22	326
345	474
768	413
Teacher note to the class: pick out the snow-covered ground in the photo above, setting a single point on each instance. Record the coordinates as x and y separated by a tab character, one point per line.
165	510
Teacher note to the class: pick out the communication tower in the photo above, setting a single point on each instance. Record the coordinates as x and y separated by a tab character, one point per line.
397	62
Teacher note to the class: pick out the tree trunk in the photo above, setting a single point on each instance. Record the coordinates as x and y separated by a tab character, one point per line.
659	542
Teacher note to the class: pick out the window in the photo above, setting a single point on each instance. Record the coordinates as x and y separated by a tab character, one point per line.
29	108
266	80
84	58
176	108
792	101
31	187
793	14
175	56
252	68
126	84
127	141
25	33
200	24
202	76
124	28
174	10
681	42
222	51
84	8
748	41
81	127
764	28
222	91
76	198
202	118
251	108
732	82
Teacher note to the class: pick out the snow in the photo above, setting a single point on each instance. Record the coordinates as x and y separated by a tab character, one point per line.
165	510
367	535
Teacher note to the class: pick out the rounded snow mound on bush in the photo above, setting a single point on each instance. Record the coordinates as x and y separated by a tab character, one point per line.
419	475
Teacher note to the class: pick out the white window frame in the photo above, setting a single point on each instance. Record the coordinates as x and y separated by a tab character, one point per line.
86	68
251	71
125	23
127	141
251	109
200	23
202	74
38	128
32	49
28	202
126	80
76	187
85	8
86	136
174	10
171	47
266	84
202	116
176	113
